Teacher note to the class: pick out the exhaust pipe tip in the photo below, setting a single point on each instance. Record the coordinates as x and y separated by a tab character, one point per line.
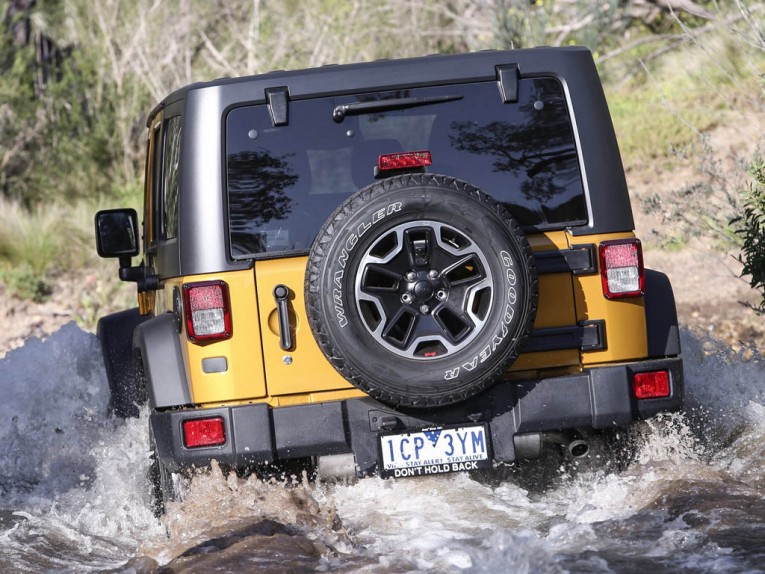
528	446
578	448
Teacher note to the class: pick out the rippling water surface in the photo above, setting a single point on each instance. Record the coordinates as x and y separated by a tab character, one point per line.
74	497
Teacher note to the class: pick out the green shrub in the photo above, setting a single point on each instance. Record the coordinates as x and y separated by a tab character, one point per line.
750	226
26	283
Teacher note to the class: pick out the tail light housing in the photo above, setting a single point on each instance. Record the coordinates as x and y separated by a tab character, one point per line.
621	268
651	385
204	432
208	311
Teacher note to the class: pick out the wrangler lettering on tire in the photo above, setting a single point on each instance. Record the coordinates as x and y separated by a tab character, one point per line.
428	305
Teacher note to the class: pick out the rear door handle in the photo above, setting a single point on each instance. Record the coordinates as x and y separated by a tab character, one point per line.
282	294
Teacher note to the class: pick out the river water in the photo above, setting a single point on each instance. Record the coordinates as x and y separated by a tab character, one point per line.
74	497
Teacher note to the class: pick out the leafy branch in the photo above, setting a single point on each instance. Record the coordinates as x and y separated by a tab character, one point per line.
750	226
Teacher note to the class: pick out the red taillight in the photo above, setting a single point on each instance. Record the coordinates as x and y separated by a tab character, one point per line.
652	385
404	160
208	312
204	432
621	268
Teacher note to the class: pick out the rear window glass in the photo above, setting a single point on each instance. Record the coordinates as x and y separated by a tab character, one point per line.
283	182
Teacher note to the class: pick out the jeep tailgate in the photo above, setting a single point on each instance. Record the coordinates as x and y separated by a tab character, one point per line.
304	369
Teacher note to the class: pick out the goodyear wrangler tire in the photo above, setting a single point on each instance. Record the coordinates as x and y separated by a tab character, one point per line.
420	290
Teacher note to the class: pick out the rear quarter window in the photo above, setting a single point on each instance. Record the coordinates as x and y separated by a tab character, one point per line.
171	177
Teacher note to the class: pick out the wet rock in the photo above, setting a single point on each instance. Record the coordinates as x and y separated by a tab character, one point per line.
137	565
264	547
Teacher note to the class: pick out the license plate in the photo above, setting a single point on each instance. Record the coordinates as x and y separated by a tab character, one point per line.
434	451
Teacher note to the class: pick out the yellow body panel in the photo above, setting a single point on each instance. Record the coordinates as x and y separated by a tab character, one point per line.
290	400
244	379
626	334
147	299
303	375
304	369
146	302
556	307
286	400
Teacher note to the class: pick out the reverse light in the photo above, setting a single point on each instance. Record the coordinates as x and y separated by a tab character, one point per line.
621	268
651	385
208	311
404	160
204	432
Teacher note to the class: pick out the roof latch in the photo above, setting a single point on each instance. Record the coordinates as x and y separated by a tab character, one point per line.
507	76
277	99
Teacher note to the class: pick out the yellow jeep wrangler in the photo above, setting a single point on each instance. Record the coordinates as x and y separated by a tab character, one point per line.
400	267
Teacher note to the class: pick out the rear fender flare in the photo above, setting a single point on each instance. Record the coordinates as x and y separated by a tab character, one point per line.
661	316
157	345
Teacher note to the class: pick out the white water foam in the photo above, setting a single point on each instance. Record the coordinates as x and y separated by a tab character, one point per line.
75	496
452	523
73	479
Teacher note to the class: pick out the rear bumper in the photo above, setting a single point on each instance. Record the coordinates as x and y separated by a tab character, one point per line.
598	398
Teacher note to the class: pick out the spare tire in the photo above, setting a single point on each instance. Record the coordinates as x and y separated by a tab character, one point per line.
420	290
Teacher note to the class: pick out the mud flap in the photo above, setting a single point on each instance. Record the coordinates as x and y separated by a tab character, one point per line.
115	333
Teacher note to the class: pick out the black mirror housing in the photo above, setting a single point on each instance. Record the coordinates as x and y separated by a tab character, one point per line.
117	233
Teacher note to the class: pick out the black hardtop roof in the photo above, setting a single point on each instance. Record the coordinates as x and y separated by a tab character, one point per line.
391	73
202	248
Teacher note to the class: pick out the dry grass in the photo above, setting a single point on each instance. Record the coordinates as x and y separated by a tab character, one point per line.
37	244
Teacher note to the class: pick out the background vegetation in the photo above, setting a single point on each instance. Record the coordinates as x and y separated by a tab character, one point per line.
79	77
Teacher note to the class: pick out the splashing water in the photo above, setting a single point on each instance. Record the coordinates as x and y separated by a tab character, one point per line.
75	497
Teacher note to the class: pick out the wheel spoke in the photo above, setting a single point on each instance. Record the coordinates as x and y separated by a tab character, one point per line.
455	324
466	271
379	279
399	330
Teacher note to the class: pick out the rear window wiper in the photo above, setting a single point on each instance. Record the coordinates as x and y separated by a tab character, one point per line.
355	108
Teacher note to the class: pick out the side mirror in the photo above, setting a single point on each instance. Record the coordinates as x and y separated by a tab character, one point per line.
117	234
